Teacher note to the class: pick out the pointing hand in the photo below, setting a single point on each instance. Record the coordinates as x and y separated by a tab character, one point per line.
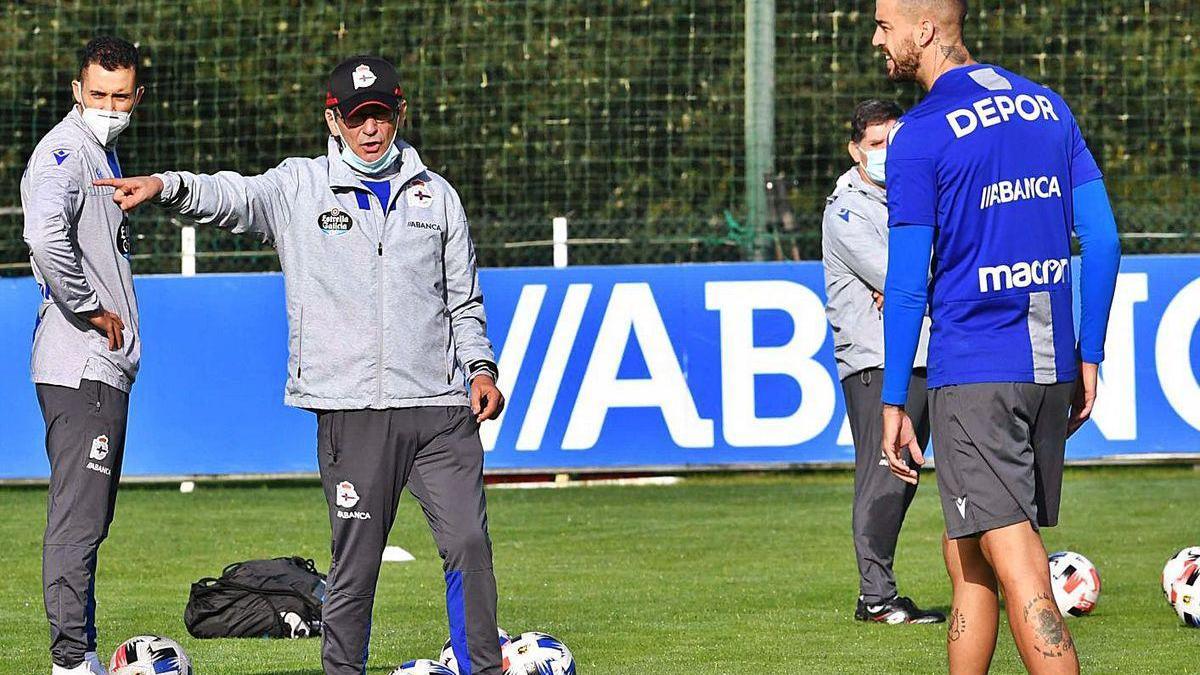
130	193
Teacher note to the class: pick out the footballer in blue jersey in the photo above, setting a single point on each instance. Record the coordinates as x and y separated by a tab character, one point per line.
988	179
989	161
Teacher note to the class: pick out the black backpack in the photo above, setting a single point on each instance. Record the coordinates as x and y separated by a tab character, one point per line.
278	598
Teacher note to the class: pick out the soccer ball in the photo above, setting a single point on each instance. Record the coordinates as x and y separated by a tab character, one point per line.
150	655
537	654
449	660
423	667
1076	583
1176	567
1186	591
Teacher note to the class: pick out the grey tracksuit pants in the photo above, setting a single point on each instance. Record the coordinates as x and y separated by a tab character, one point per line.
880	499
85	442
366	458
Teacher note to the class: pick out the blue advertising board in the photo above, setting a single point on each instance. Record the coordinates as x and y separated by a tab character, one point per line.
606	368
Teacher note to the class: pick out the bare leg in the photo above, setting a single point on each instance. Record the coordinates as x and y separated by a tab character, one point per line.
971	634
1018	557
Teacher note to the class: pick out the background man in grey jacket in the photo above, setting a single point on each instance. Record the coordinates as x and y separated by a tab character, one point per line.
386	330
854	240
86	346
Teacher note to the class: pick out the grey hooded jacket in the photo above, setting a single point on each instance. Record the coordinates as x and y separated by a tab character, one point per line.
854	244
383	311
79	246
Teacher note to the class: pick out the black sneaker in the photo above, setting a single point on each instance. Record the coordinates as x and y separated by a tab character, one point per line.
897	610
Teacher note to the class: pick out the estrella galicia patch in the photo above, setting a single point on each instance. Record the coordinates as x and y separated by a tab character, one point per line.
335	221
124	245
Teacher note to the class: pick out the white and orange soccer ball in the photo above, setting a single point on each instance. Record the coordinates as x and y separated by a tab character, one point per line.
150	655
1176	568
1076	583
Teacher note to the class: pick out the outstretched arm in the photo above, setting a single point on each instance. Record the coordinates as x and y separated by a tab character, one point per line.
259	204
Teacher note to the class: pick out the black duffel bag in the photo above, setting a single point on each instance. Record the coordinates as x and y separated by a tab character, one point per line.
277	598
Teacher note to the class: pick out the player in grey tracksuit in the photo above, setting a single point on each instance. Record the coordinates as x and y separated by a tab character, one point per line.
854	245
386	331
86	346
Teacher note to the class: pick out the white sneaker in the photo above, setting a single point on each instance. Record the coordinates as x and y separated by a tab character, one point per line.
91	666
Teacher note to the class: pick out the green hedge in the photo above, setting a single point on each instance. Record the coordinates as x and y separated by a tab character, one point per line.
626	117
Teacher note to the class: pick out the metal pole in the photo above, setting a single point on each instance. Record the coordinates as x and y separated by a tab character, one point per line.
187	250
560	241
760	118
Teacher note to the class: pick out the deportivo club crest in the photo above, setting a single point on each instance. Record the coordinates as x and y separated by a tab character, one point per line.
335	221
99	448
363	77
419	195
346	496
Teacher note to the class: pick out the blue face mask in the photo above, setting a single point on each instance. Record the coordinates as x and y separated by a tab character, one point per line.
370	168
875	166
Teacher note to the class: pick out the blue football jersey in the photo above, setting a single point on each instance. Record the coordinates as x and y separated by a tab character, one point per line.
989	160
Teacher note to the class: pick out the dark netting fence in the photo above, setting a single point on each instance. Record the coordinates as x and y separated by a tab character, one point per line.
628	118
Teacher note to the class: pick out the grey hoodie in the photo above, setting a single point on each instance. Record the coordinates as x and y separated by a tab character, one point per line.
854	244
79	246
383	312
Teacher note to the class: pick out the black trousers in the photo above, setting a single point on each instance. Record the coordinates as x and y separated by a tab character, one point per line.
366	458
880	499
85	442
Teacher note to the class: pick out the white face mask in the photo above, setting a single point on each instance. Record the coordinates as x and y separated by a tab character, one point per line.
106	125
370	168
875	164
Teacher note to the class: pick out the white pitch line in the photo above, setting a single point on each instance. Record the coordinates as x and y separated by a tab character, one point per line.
537	485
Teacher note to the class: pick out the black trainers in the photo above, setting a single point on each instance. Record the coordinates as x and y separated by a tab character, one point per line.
897	610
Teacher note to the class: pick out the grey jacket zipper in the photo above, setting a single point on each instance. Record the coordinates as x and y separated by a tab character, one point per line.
379	321
300	346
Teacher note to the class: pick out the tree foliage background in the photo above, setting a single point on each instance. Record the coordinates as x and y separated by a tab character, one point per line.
623	115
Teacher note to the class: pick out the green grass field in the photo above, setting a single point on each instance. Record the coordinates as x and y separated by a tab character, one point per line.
745	574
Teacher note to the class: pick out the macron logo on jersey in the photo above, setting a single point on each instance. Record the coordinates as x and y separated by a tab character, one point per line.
1000	109
1023	274
1008	191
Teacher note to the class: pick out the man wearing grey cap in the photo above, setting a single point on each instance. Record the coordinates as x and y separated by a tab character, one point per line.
388	346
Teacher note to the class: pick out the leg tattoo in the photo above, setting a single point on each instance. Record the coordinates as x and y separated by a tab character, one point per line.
957	627
1051	638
